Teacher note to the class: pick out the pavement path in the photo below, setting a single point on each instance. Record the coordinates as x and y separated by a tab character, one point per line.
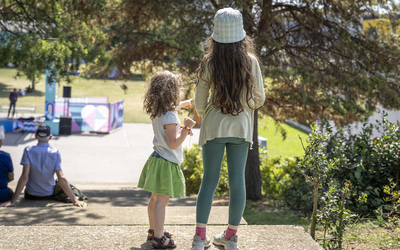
117	157
133	237
106	167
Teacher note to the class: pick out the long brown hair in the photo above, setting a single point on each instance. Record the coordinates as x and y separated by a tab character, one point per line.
163	94
230	68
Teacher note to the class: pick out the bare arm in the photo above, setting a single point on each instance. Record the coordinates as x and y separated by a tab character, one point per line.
184	104
20	186
10	176
67	189
175	139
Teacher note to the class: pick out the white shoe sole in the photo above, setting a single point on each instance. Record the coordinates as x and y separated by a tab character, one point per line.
205	246
225	247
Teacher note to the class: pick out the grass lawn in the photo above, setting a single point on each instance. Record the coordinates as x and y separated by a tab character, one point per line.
276	146
270	212
133	111
372	235
81	87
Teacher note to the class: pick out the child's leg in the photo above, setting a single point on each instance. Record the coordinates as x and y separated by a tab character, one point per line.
236	159
161	201
150	211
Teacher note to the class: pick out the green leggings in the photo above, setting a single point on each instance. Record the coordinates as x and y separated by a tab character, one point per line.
213	152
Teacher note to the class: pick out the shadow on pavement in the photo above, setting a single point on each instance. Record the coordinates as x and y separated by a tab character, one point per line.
145	246
124	197
15	139
35	216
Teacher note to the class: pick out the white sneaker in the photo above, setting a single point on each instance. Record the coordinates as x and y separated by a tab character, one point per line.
231	244
199	244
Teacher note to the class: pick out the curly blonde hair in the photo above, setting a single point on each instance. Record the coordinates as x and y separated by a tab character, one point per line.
163	93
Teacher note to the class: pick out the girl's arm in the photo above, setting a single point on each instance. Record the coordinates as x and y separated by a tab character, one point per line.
184	104
175	139
202	94
259	82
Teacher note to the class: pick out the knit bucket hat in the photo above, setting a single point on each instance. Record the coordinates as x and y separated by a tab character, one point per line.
228	26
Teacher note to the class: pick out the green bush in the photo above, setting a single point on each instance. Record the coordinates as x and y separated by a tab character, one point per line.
299	194
367	162
192	167
276	175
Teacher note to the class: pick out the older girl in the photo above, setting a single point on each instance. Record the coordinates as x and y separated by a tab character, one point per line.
231	71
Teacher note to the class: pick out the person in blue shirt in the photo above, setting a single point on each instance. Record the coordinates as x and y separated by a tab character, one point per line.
40	163
6	172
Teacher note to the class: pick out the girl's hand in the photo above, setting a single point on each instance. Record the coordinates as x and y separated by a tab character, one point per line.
186	104
188	122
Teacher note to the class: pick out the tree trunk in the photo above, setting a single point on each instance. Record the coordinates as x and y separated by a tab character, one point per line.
33	82
253	174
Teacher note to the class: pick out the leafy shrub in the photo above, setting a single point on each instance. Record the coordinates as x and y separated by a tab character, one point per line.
333	216
367	163
192	168
276	175
299	194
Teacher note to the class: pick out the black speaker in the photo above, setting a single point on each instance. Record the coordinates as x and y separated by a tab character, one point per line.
67	92
65	125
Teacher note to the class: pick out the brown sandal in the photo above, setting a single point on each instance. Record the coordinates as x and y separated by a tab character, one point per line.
151	231
160	243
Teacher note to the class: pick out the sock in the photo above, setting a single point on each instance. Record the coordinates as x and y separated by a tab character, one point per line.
229	233
201	231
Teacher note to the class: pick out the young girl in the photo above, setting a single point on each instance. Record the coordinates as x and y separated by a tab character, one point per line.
162	175
231	70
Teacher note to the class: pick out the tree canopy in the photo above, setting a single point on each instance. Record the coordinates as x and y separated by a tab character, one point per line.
319	61
36	34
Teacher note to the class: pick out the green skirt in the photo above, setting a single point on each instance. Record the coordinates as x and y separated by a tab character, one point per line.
160	176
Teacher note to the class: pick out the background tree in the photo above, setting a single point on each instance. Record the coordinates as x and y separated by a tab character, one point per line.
318	61
35	34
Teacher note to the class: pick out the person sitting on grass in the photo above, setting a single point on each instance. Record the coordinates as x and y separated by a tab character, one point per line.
40	162
6	172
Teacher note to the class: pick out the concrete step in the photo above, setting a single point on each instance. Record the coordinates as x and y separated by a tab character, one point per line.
134	237
114	195
61	215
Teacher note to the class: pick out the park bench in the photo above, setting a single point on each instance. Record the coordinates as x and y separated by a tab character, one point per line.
19	109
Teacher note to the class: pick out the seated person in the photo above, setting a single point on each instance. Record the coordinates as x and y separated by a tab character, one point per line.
21	92
40	163
6	172
29	89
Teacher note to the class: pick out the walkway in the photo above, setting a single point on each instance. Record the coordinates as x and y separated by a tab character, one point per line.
106	167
